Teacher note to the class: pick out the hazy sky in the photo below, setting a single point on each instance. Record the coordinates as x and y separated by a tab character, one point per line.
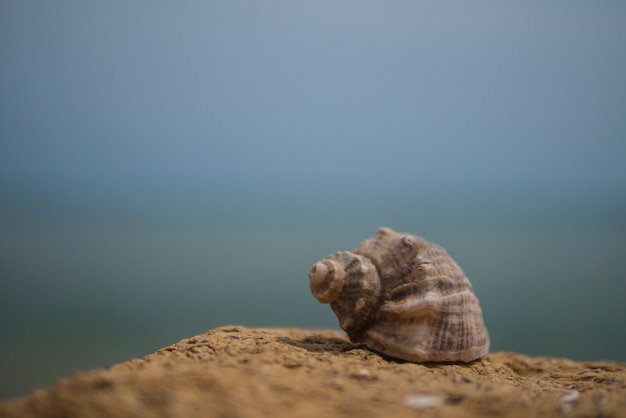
283	95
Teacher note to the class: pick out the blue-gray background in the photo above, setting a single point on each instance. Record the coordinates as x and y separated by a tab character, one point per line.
170	167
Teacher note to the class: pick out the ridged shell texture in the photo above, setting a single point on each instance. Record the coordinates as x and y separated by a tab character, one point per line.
405	297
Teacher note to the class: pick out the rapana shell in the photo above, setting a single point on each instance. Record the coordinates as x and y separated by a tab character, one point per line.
404	297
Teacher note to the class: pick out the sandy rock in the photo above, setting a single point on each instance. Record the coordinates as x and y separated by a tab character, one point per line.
240	372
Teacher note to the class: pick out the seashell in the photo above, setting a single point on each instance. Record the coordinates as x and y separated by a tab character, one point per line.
403	296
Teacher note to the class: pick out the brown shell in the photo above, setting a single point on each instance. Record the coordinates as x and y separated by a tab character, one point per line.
404	297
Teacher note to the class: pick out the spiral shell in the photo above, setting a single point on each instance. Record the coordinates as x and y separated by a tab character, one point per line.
404	297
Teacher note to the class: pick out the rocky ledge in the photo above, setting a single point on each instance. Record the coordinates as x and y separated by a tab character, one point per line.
241	372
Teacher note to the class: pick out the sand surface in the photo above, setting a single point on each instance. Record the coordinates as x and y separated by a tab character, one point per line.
241	372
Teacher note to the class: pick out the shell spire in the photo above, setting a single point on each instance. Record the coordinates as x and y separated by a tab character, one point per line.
404	297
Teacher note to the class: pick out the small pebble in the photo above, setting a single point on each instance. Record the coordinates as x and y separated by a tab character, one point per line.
570	396
422	401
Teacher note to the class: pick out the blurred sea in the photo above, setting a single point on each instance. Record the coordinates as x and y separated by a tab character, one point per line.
88	284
